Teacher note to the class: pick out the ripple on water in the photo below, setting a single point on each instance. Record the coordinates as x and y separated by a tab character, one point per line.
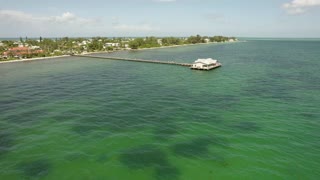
143	156
165	130
149	156
308	115
9	104
27	116
76	156
102	158
87	100
246	126
198	147
269	88
85	128
225	101
35	169
6	140
167	172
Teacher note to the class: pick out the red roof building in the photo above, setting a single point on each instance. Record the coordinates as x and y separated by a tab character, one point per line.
21	51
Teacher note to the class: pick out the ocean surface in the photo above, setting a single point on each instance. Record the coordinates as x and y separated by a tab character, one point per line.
256	117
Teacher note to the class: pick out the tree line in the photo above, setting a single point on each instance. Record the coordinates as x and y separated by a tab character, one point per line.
149	42
66	45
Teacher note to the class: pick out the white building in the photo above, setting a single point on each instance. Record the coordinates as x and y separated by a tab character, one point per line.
19	44
35	47
112	45
206	40
83	43
205	64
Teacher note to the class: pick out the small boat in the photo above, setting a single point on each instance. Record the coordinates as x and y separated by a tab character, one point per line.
205	64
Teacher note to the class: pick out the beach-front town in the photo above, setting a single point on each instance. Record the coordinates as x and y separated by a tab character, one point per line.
26	48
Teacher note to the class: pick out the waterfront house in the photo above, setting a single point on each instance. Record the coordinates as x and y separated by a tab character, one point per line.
205	64
112	45
18	43
83	43
35	47
20	52
5	55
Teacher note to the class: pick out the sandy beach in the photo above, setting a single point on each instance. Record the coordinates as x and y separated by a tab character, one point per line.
32	59
53	57
161	47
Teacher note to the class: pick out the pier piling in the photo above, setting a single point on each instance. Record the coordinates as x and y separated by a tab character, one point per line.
136	60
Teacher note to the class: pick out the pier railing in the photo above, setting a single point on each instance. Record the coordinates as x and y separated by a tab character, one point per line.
136	60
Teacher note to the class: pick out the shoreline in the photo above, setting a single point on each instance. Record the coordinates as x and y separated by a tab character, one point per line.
33	59
182	45
161	47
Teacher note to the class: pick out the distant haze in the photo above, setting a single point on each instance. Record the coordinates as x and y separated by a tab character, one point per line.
242	18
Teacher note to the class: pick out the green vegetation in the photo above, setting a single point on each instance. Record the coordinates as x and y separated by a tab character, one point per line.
147	42
169	41
195	39
44	47
220	39
150	42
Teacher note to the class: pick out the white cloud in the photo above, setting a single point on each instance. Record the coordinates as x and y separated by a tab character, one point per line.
9	15
18	23
71	18
300	6
64	18
18	16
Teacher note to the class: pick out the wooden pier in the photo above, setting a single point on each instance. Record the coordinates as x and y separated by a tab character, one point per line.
136	60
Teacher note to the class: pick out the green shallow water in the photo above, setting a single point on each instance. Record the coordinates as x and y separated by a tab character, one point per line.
257	117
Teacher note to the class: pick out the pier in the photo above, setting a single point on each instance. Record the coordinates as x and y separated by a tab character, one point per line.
136	60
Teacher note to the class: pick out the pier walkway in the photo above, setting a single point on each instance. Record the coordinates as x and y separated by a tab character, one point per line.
136	60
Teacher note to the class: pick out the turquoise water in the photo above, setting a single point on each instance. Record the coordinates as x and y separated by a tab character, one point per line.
257	117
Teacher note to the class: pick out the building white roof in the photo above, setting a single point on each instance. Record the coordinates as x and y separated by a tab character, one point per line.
206	61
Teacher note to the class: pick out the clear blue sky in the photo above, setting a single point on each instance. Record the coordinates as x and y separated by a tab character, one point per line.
241	18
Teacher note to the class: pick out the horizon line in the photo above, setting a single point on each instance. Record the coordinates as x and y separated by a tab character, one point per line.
266	37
